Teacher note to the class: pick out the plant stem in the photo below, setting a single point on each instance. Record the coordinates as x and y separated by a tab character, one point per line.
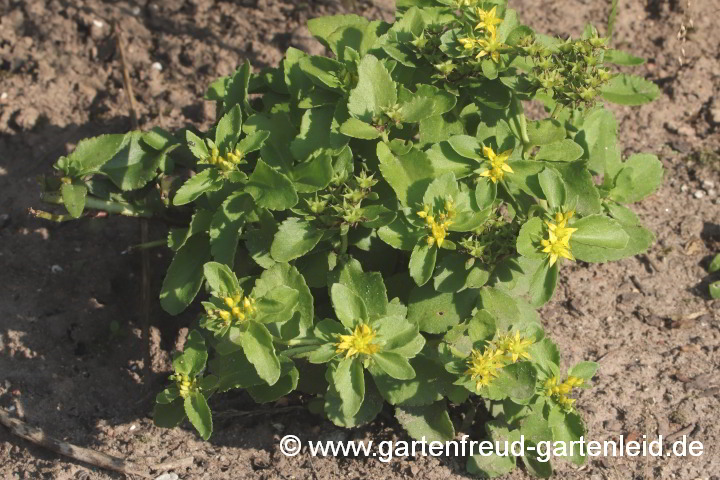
104	205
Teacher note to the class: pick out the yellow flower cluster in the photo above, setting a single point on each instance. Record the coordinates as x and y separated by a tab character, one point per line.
228	162
438	226
498	164
489	44
483	366
359	342
558	242
240	307
560	392
184	384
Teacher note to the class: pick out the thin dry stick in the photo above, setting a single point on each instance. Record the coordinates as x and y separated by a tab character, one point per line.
174	464
144	256
85	455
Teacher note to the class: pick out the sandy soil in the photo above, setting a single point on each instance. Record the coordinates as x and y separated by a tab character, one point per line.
70	348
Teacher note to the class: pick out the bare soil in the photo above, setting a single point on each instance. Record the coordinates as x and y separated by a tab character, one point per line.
70	346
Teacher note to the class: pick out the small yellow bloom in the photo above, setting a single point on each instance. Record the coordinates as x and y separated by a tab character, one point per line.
229	301
468	43
558	242
498	164
560	391
514	347
360	342
483	366
488	19
225	315
439	226
490	46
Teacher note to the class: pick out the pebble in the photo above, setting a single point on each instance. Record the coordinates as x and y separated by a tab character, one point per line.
708	184
98	23
167	476
699	194
157	66
56	269
3	96
136	11
711	193
683	188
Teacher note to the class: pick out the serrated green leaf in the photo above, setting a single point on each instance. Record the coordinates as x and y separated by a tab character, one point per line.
73	197
422	262
221	279
270	188
185	274
429	422
258	347
349	308
208	180
228	130
295	238
625	89
375	91
198	412
226	225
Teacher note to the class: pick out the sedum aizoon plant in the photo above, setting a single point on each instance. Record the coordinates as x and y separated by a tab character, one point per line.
377	227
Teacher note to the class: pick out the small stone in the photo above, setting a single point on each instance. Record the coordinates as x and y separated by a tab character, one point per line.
699	194
683	188
136	11
708	184
3	96
711	193
98	23
56	269
167	476
27	118
157	66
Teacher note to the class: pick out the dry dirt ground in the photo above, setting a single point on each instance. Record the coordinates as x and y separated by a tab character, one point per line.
70	353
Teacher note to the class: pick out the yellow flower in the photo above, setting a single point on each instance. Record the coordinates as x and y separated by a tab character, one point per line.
468	43
498	164
438	227
184	384
558	242
514	347
360	342
483	366
490	46
488	20
560	392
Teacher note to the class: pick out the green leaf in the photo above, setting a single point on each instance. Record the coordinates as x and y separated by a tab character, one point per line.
714	290
270	188
409	175
579	187
529	238
431	382
456	272
429	422
515	381
348	378
73	197
198	412
277	305
221	279
194	356
545	132
226	225
134	164
236	91
598	137
286	383
375	91
584	370
619	57
490	465
553	187
228	130
467	146
481	327
253	142
169	415
367	285
715	264
185	274
92	153
542	284
599	231
196	145
570	429
485	193
625	89
348	307
371	405
208	180
159	139
316	133
640	176
565	150
295	238
394	365
436	312
313	175
355	128
422	262
400	234
287	275
258	346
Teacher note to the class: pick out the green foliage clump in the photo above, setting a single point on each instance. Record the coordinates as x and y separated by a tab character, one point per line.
377	227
